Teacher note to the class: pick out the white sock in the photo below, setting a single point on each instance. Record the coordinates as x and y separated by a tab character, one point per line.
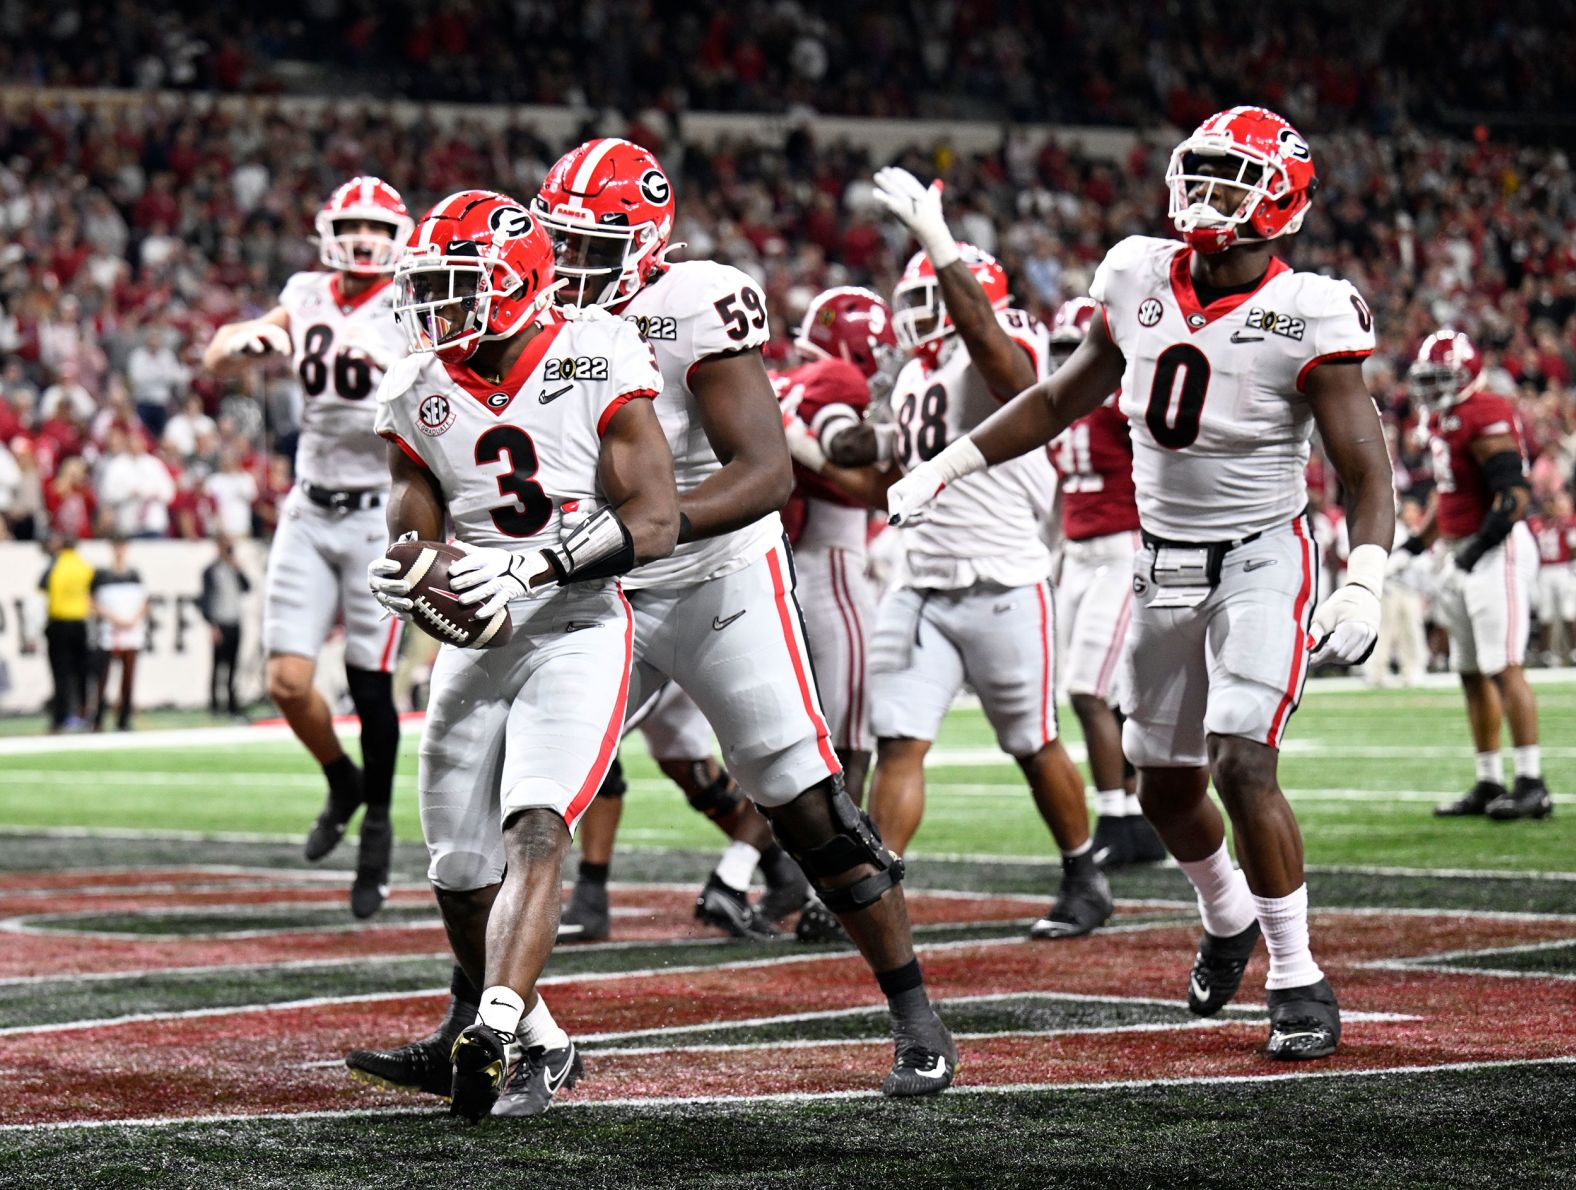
501	1009
737	865
1529	761
1490	767
1223	898
539	1028
1109	803
1284	921
1130	806
1088	846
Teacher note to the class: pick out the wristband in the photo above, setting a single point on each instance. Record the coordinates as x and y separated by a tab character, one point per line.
1366	567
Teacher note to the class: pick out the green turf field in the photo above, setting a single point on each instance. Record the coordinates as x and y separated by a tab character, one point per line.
1363	770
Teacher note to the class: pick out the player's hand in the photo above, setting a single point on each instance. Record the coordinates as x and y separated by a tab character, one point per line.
907	498
803	445
392	592
1346	626
261	338
493	577
919	208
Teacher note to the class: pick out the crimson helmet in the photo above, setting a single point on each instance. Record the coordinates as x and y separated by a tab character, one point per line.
478	267
920	318
1447	363
848	323
1253	152
609	209
1072	323
362	200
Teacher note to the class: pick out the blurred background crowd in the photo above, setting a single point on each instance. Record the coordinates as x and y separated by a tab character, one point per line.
133	224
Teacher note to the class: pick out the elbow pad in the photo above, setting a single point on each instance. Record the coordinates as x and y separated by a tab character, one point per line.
600	547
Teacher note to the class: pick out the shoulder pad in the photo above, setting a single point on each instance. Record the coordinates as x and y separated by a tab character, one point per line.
401	378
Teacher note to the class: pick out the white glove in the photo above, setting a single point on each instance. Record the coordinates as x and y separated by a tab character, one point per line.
908	496
260	338
803	445
1346	625
493	577
393	593
919	208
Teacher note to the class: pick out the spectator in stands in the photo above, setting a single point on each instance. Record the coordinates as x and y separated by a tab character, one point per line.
157	378
67	586
183	431
233	491
223	584
67	394
72	509
135	488
120	601
23	509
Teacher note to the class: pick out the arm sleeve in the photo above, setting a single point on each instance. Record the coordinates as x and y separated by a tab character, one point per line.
1340	327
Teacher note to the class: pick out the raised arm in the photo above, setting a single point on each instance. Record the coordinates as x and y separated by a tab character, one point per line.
740	415
237	343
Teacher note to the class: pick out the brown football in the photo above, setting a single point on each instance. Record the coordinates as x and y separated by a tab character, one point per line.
438	611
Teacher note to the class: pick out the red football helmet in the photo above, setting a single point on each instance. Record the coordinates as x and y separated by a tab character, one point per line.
848	323
1072	323
919	316
362	200
1247	152
478	267
609	209
1447	364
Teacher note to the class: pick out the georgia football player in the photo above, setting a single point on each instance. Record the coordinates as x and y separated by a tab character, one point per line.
1490	565
1555	534
337	327
1226	358
506	413
1093	458
973	600
719	616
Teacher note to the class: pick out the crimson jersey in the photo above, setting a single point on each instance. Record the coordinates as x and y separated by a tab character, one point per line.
1464	497
1556	539
819	394
1094	458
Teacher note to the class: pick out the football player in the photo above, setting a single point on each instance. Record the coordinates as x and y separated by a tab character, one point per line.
337	328
1226	359
973	601
719	616
506	414
1556	537
1094	591
1491	563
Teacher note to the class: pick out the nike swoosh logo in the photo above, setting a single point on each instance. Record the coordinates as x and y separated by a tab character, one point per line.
1003	607
500	1003
580	625
1258	564
1199	990
553	396
554	1081
938	1069
1239	337
718	624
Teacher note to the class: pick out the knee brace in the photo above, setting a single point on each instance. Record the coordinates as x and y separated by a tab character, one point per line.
717	800
828	846
614	785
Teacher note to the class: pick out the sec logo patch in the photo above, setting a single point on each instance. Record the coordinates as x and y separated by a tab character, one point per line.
1149	311
435	415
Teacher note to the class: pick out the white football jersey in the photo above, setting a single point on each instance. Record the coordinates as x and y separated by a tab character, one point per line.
508	456
986	526
337	447
695	309
1214	395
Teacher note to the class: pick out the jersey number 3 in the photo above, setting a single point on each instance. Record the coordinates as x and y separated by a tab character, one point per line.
1173	416
531	507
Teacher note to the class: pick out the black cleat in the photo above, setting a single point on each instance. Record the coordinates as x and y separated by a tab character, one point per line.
819	924
730	910
1218	968
423	1066
1304	1023
371	886
1082	905
787	892
585	918
1110	844
922	1068
1528	798
330	826
481	1058
537	1077
1476	801
1144	845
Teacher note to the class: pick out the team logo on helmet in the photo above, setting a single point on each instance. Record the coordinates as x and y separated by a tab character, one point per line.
654	185
435	415
1149	311
510	223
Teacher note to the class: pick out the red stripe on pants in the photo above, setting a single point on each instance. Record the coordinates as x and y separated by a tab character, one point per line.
1299	652
800	670
614	731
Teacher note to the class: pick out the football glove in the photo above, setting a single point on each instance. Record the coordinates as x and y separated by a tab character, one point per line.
803	445
1346	625
493	577
906	499
919	208
393	593
260	338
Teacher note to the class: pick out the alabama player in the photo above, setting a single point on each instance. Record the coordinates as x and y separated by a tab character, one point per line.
1556	537
1094	592
973	601
1490	565
1226	359
337	327
507	414
718	616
